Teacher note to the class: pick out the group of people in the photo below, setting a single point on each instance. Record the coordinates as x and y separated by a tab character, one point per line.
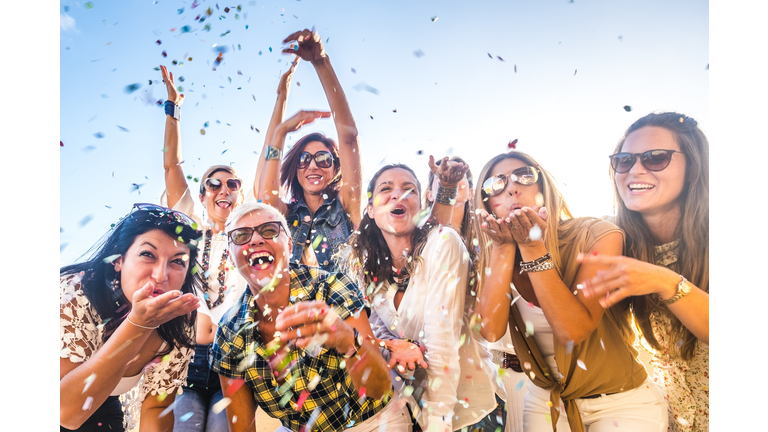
336	308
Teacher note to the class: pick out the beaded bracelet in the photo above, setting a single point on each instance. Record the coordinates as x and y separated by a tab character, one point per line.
544	258
272	153
539	267
446	196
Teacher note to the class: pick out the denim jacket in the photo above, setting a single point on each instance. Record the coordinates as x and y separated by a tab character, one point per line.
331	224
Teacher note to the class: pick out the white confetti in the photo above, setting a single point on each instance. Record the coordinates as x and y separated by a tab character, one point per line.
581	364
220	405
535	233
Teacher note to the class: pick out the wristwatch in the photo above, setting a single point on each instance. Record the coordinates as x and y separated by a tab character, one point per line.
172	110
683	289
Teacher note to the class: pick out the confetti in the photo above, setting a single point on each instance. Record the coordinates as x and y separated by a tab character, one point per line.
574	72
434	18
84	221
220	405
165	54
99	135
627	108
185	29
581	364
88	5
61	143
499	58
88	403
515	68
512	144
490	56
535	233
130	88
122	128
418	53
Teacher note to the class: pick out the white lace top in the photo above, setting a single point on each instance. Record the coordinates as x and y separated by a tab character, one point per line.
82	334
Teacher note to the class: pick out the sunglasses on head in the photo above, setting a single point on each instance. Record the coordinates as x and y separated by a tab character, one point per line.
525	176
213	184
267	231
165	212
323	159
652	160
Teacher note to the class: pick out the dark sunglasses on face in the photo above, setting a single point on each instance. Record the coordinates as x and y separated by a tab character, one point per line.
652	160
213	184
323	159
165	212
267	231
525	176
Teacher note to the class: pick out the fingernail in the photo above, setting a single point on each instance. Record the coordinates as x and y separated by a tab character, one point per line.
602	303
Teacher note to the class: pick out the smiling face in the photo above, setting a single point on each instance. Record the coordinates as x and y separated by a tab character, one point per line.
395	202
652	192
153	257
219	204
313	179
260	260
515	195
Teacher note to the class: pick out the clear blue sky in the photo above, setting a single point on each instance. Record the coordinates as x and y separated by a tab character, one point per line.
568	71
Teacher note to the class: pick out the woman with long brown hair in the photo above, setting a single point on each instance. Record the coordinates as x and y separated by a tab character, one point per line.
662	204
570	347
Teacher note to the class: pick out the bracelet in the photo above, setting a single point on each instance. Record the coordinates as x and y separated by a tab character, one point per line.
140	326
541	260
172	109
446	196
272	153
683	289
415	342
541	267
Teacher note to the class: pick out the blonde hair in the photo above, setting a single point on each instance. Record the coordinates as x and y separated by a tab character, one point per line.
559	213
245	209
692	229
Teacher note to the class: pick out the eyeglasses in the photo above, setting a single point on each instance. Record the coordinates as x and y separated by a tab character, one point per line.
165	212
652	160
267	231
323	159
525	176
213	184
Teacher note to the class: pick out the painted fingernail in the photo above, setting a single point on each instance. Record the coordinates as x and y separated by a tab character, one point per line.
518	212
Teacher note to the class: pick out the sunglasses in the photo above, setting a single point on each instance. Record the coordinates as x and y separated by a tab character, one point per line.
267	231
165	212
524	176
323	159
213	184
652	160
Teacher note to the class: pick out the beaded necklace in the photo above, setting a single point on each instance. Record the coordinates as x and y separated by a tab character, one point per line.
222	267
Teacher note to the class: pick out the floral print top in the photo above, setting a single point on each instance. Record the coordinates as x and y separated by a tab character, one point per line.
684	384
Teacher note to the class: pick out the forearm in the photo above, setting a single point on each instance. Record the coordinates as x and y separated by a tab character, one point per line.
269	181
175	184
495	295
278	115
100	374
570	319
337	100
151	420
692	310
241	411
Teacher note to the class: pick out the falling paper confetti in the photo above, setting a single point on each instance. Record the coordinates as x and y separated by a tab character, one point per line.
535	233
627	108
434	18
512	144
99	135
581	364
130	88
418	53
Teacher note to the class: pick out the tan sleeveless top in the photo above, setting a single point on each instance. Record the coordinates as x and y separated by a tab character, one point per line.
612	369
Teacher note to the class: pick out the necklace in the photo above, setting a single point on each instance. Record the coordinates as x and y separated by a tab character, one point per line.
222	267
402	280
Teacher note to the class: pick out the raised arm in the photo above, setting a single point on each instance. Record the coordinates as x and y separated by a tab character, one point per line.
309	47
278	114
269	180
630	277
175	183
97	377
449	174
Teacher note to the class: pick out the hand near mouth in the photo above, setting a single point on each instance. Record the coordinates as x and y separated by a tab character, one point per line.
527	226
151	311
498	230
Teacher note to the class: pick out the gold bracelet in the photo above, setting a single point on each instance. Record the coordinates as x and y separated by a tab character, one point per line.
683	289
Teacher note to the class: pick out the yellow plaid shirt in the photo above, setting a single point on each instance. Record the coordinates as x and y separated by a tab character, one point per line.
333	404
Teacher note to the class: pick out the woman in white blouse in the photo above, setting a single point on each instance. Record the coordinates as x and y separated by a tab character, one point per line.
416	279
128	313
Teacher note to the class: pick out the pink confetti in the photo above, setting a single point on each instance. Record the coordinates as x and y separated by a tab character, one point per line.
302	398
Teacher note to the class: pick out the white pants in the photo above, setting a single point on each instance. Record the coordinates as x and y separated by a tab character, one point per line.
516	386
641	409
393	418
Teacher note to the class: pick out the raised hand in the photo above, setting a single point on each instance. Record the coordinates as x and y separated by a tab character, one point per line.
449	173
170	86
314	323
626	277
308	45
301	118
150	311
285	81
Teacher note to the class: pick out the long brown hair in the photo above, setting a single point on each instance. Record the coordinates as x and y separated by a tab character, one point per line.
367	255
288	169
692	229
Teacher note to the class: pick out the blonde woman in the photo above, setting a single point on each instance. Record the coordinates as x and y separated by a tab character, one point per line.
570	348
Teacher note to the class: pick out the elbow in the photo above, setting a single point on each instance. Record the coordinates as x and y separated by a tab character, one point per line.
349	132
573	336
492	332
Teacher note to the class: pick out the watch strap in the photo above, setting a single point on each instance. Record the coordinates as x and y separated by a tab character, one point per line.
172	110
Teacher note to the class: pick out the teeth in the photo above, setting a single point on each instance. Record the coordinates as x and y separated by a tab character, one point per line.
260	258
640	186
